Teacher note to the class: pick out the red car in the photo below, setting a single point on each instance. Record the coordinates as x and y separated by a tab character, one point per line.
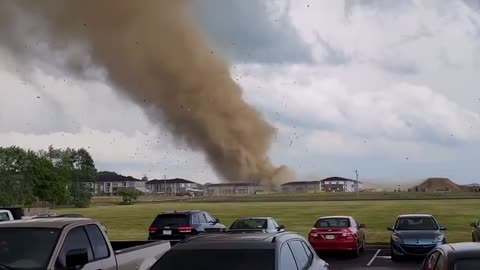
338	233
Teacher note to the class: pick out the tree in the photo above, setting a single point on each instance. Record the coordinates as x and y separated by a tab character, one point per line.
49	184
79	168
16	187
129	195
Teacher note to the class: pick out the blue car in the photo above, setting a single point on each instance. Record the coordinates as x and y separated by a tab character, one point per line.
415	235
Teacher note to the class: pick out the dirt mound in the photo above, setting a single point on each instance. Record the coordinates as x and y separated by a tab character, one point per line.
437	184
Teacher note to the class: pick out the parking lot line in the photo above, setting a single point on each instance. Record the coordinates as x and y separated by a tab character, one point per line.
373	258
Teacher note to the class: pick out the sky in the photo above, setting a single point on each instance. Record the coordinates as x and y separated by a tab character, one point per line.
388	88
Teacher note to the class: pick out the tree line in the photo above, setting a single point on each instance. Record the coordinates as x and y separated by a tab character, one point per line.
53	177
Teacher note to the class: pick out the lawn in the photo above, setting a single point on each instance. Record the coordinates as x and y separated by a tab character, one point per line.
132	222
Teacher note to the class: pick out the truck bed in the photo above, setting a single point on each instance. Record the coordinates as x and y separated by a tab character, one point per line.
132	254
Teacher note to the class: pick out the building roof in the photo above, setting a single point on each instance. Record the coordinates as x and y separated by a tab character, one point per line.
114	177
44	222
300	183
336	178
171	181
233	185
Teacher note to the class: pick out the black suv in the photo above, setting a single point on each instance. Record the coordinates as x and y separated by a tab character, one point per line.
177	225
237	251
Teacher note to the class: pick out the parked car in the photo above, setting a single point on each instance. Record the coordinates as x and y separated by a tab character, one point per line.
415	235
338	233
6	215
17	213
256	224
71	243
177	225
458	256
475	231
234	251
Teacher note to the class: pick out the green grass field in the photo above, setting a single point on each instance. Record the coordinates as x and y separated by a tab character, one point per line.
132	222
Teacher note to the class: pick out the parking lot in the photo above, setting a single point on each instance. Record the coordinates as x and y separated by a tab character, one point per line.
371	258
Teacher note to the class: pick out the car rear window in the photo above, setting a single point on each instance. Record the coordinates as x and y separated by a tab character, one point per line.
232	259
249	224
332	223
416	224
171	220
467	264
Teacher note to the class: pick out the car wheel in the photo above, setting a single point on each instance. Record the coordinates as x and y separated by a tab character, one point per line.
394	256
362	247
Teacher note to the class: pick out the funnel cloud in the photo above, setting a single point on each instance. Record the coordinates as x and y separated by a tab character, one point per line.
154	53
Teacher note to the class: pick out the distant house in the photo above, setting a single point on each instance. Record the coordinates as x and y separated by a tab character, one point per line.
301	186
340	184
110	183
233	189
176	186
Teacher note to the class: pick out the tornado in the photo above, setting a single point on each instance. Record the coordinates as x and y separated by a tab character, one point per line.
153	52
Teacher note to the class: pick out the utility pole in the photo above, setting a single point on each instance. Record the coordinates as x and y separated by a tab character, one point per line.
165	184
356	177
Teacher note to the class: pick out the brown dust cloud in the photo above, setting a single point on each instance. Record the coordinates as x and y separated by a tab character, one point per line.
154	53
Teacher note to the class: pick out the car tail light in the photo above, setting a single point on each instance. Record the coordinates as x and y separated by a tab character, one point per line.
185	229
347	234
152	229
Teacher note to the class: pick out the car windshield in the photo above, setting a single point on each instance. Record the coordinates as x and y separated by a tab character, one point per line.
467	264
416	224
232	259
171	220
249	224
27	248
332	223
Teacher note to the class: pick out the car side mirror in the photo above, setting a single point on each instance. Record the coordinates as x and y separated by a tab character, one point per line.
390	229
362	226
217	221
443	228
281	227
76	257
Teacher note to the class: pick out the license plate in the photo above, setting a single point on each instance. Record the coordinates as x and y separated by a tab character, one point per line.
329	237
167	232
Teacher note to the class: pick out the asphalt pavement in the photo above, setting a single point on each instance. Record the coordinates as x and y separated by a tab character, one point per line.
373	259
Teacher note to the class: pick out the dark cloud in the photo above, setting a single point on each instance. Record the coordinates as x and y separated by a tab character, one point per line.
474	4
247	33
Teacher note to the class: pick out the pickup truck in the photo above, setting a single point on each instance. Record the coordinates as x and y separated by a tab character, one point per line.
71	243
6	215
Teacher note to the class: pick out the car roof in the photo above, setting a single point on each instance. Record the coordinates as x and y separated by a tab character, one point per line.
254	218
466	250
181	212
56	222
234	241
335	217
414	215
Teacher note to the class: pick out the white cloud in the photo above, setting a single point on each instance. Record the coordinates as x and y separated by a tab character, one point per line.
43	103
401	111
